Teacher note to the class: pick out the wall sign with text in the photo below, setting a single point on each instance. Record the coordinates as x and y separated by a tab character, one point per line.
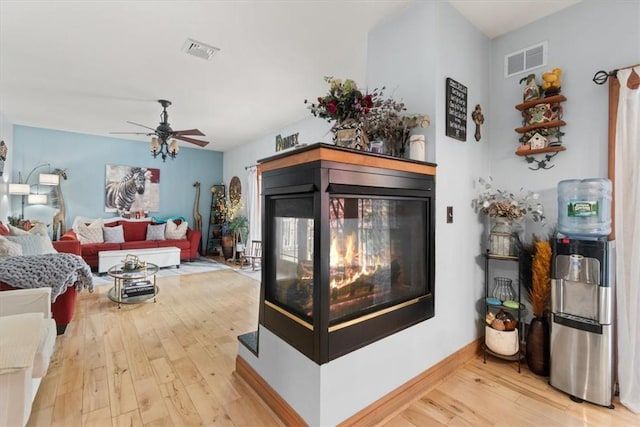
456	98
286	142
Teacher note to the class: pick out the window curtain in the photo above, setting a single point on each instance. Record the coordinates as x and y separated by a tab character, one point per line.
627	232
253	204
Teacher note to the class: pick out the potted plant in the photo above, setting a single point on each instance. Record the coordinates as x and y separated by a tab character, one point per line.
227	240
239	227
505	207
234	226
538	336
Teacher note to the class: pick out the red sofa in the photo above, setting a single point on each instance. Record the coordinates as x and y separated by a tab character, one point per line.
135	233
65	305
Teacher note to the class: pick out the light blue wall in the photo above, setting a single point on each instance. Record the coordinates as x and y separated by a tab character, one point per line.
584	38
85	157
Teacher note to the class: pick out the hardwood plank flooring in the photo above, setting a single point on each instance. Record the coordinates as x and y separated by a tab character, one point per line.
171	363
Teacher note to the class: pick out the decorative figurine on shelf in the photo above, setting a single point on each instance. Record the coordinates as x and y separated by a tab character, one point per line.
197	217
531	90
552	83
59	225
538	141
478	119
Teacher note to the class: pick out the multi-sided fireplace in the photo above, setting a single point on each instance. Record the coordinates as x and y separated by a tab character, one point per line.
348	242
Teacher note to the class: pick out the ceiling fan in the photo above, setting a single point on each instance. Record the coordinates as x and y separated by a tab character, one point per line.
164	131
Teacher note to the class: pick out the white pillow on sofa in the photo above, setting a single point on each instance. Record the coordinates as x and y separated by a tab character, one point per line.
9	248
156	231
34	244
176	232
40	228
90	233
113	234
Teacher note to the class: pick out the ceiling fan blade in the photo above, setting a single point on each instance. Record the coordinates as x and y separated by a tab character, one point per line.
132	133
138	124
191	140
188	132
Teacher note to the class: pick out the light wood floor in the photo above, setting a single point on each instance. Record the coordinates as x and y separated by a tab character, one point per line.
171	363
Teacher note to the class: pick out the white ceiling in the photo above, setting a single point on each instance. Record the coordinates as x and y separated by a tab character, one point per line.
90	66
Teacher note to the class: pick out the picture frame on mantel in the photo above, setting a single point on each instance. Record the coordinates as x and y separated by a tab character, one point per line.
456	110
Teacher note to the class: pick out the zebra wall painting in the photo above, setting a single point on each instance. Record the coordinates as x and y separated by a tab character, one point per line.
132	189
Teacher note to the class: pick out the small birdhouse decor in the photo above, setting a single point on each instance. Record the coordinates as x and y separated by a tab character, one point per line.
538	141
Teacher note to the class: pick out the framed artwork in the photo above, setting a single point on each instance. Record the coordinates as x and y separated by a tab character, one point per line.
131	189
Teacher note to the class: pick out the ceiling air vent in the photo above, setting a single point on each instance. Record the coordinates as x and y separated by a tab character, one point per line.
201	50
525	60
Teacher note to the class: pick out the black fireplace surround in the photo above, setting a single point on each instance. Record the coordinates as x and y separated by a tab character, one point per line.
348	248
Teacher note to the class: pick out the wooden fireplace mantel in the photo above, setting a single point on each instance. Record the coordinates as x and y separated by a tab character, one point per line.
328	152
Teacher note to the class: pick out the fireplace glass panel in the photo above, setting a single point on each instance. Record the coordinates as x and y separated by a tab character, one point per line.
293	254
377	256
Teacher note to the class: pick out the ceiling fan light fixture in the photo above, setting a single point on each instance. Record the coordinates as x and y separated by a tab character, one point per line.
160	147
155	145
173	147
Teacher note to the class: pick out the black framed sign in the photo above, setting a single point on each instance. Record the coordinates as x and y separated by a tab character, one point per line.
456	116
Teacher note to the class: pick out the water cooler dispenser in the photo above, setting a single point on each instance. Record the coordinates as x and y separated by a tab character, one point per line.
582	360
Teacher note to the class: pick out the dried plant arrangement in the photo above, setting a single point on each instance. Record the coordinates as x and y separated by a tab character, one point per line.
526	251
540	293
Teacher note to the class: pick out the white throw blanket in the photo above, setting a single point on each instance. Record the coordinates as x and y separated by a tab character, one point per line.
56	271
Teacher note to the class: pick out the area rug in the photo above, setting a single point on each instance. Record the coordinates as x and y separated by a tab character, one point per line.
201	265
254	274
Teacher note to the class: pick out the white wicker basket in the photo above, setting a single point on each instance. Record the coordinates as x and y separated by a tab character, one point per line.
504	343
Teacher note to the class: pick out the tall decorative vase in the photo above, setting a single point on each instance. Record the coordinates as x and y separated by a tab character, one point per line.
227	246
416	147
538	346
501	238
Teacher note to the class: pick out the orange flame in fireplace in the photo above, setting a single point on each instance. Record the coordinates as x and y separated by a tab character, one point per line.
347	265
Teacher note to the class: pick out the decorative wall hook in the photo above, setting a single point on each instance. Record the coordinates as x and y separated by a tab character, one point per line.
478	119
541	164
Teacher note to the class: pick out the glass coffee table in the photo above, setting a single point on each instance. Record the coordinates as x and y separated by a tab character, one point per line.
133	286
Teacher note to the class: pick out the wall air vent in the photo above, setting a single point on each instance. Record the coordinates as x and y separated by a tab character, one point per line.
201	50
525	59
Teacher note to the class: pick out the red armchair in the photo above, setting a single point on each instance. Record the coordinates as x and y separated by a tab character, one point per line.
65	305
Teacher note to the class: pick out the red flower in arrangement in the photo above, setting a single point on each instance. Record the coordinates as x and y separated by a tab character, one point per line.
367	101
332	107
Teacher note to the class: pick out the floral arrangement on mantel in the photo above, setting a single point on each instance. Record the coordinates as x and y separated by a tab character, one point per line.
343	102
381	119
386	122
504	204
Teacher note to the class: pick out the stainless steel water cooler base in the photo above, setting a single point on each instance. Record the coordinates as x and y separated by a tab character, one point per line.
582	319
582	362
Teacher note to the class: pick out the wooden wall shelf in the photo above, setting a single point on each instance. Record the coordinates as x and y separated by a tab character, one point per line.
545	125
556	137
534	102
540	151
